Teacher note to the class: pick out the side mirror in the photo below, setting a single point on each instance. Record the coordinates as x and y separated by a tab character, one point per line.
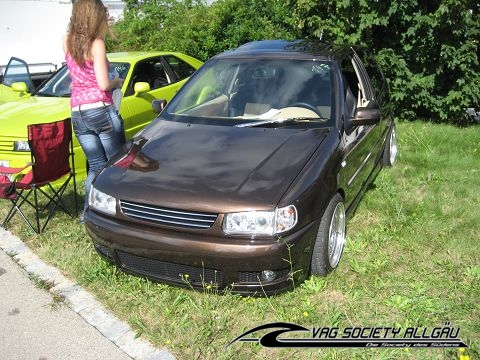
158	105
141	87
20	87
366	116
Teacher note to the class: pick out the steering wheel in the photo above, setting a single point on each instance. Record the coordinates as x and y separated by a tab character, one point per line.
306	106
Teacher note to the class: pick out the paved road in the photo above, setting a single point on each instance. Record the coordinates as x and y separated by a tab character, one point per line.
34	326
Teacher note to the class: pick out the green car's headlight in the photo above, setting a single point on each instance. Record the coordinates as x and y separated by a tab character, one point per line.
21	146
100	201
261	222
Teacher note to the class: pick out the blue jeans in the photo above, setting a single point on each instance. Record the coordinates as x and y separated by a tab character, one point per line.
101	134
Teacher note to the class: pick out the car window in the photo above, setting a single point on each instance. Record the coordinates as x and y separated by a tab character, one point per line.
377	80
59	84
357	90
145	71
258	89
180	68
120	69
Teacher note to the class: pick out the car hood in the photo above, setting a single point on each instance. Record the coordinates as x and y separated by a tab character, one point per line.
7	94
16	115
210	167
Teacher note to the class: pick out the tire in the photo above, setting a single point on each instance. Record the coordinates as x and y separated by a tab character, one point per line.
331	238
391	149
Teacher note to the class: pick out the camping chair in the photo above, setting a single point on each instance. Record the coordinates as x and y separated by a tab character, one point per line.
51	149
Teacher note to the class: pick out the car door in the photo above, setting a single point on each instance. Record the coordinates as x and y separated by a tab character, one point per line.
163	82
15	71
362	143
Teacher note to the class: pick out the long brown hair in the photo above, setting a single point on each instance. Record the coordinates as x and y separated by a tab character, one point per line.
88	22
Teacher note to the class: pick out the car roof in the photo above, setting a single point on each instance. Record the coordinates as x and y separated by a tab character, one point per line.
307	49
134	56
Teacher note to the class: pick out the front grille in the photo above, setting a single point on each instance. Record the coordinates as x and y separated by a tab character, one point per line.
6	145
166	270
163	216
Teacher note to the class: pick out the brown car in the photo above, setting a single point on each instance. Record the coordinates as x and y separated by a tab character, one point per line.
245	179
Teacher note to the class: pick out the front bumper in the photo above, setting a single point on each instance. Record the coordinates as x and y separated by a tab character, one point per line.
200	260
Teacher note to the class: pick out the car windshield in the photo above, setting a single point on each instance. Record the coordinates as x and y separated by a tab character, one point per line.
244	91
59	84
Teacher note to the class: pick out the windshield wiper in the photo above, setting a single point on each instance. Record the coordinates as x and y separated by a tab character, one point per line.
287	121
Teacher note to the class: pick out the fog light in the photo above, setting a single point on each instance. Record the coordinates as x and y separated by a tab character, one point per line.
268	275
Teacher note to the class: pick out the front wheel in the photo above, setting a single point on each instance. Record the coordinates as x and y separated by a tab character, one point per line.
391	149
331	238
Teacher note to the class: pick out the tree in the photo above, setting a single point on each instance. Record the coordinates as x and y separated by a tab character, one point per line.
429	49
201	30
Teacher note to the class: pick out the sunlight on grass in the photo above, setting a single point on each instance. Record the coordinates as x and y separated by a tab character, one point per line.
412	259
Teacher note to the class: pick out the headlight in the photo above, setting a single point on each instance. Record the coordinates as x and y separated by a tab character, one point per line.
21	146
261	222
102	202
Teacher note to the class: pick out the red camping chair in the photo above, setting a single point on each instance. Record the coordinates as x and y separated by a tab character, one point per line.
51	149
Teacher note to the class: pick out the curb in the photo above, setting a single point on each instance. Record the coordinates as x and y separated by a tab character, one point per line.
82	302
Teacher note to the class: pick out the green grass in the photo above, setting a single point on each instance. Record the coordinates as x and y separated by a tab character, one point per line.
412	259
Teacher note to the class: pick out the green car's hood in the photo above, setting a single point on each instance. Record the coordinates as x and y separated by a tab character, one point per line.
16	115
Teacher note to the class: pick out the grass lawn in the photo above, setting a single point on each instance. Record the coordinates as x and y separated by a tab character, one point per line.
412	259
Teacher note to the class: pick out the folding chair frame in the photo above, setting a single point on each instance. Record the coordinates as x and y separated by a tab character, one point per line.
23	196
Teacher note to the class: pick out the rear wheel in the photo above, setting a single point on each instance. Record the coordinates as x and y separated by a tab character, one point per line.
331	238
391	149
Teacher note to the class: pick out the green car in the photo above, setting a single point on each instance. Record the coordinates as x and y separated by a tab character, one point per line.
148	76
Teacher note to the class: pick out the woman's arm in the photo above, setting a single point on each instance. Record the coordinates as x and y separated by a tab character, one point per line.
64	44
100	66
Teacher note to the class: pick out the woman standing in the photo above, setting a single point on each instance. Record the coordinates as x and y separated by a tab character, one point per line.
96	123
